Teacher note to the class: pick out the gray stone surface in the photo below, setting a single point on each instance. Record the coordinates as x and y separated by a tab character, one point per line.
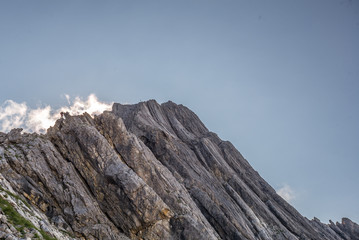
147	171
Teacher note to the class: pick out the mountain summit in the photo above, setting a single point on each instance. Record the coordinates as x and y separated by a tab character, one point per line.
142	171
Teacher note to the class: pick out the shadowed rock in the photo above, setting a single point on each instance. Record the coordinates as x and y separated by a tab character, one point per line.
148	171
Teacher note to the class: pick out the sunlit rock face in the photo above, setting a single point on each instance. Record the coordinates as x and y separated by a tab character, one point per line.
143	171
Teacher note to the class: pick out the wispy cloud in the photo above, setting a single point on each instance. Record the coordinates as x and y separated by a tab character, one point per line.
15	115
286	192
12	115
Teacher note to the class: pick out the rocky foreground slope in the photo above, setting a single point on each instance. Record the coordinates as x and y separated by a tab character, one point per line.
143	171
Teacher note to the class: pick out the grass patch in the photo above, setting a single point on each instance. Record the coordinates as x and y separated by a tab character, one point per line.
18	221
16	197
14	217
46	236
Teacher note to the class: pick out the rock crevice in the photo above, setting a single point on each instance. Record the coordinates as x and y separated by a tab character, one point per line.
147	171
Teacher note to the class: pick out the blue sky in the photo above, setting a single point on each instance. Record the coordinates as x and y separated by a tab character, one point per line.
279	79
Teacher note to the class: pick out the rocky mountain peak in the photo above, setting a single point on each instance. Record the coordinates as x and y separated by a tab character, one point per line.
141	171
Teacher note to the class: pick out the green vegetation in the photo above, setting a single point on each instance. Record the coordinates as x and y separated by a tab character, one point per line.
16	197
46	236
18	221
14	217
36	236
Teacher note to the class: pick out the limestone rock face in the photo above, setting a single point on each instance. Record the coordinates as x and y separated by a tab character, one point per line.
143	171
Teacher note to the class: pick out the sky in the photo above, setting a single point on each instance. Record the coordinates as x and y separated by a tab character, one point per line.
279	79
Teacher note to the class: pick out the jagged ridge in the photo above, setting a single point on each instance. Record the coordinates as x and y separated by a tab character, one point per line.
148	171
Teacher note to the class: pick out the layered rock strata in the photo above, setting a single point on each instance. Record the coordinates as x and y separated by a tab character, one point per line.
145	171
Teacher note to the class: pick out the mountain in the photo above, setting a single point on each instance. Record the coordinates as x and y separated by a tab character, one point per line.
142	171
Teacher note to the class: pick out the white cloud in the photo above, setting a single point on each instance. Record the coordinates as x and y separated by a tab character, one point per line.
38	120
14	115
67	98
286	192
91	106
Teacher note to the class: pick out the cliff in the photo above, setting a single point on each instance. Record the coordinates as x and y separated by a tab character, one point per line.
143	171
